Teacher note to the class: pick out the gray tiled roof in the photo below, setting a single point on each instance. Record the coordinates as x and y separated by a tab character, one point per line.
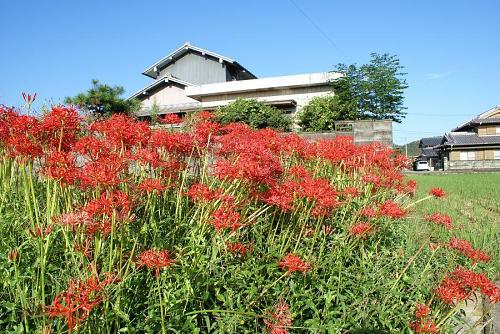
477	121
469	138
430	141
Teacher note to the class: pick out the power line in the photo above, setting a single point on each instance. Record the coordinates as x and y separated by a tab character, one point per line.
316	26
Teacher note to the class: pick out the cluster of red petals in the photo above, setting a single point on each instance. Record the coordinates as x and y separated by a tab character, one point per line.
73	220
225	218
279	319
60	165
155	259
391	209
76	303
351	192
292	262
465	248
238	248
440	219
122	131
437	192
109	203
368	212
461	283
151	185
170	119
201	192
423	323
40	232
361	230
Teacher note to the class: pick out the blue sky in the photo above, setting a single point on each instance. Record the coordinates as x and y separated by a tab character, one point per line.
450	49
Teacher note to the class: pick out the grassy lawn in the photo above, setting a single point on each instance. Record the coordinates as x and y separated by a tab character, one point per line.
473	201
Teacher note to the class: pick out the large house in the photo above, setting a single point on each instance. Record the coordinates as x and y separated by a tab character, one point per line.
191	79
472	145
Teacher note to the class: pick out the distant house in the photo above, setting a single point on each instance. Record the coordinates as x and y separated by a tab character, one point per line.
191	79
474	144
430	151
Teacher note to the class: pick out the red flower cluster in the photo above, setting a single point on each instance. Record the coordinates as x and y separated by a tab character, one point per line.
225	218
76	303
170	119
292	262
465	248
437	192
237	248
440	219
461	283
423	323
361	229
201	192
150	185
391	210
280	319
155	260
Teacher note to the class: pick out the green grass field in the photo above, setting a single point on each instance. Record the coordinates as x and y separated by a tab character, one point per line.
473	201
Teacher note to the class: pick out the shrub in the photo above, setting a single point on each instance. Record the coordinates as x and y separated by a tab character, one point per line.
321	113
254	113
114	227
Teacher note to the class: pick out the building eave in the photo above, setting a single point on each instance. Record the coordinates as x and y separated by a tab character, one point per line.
163	79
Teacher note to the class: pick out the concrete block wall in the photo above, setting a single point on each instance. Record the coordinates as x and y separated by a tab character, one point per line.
472	164
363	132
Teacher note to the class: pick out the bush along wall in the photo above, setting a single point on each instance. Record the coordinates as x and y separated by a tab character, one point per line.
112	227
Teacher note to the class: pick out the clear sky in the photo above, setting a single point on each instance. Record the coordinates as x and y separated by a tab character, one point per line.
450	49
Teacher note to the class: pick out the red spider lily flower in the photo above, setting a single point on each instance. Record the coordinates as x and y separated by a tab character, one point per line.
370	178
281	195
459	285
150	185
424	326
237	248
423	323
122	131
147	156
61	166
170	119
321	193
92	147
28	98
440	219
225	218
368	212
156	260
361	229
60	128
298	171
72	220
201	192
76	303
179	143
104	172
465	248
279	319
391	210
422	311
109	203
437	192
351	192
292	262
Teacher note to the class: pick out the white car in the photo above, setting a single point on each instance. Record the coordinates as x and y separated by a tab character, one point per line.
422	165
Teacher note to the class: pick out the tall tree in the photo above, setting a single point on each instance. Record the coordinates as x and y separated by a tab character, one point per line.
374	90
103	100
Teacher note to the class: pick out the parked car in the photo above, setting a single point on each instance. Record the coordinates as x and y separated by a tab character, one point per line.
421	165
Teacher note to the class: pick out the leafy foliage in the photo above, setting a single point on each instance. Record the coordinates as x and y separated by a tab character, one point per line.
321	113
373	90
102	100
254	113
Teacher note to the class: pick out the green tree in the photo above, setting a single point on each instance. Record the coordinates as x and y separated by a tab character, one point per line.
254	113
103	100
373	90
321	113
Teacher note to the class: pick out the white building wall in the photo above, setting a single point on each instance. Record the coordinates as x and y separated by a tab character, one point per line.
169	95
